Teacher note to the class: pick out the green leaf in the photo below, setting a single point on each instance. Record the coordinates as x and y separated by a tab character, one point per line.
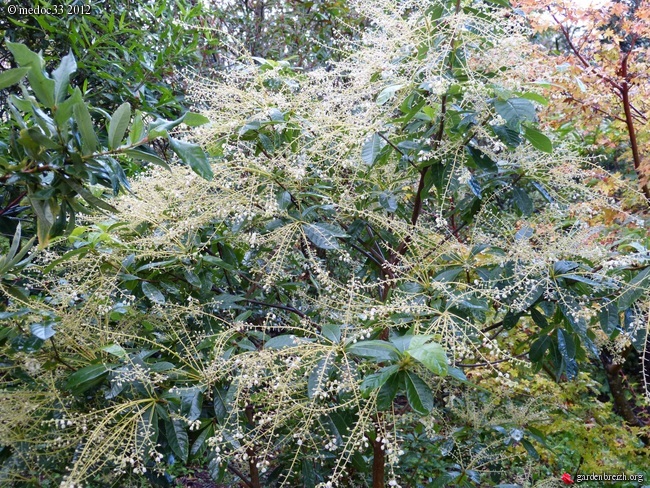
379	350
118	124
193	156
535	97
387	392
566	345
376	380
24	56
538	139
85	125
42	86
522	200
142	155
388	201
371	149
609	318
136	134
12	76
507	135
220	403
332	333
89	197
418	394
323	235
538	348
431	355
191	402
43	330
193	119
152	293
86	378
388	93
515	111
61	76
283	341
319	375
177	438
635	289
480	159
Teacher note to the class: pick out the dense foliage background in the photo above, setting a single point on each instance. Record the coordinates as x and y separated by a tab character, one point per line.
324	243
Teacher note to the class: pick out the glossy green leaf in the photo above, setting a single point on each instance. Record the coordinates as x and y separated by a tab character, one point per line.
152	293
375	349
12	76
418	394
61	76
43	330
324	235
431	355
86	378
538	139
118	124
84	122
194	119
515	111
176	433
371	149
376	380
539	347
192	155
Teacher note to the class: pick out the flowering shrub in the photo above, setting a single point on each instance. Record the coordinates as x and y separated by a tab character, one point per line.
370	232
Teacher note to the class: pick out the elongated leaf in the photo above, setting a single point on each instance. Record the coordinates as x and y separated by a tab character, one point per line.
220	403
61	76
431	355
194	119
371	149
89	197
609	318
379	350
566	345
85	125
193	156
283	341
538	139
636	288
191	402
323	235
12	76
118	125
523	201
388	391
148	157
86	378
515	111
387	93
43	330
177	438
152	293
377	380
539	347
418	394
319	375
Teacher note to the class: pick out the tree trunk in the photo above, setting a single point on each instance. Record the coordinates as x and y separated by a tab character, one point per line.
621	405
378	463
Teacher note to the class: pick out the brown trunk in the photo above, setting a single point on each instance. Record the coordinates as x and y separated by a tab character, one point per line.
621	405
378	463
252	458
